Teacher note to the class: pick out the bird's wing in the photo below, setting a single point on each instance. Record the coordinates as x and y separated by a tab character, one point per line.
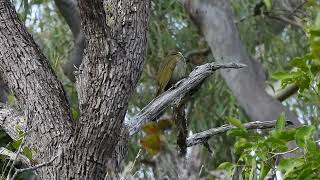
164	75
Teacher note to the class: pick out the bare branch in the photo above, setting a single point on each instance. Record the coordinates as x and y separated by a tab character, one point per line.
203	51
204	136
70	12
34	168
286	92
286	20
182	87
288	152
16	157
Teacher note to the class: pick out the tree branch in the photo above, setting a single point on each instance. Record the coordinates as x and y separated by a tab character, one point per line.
34	168
70	12
195	52
182	87
204	136
286	92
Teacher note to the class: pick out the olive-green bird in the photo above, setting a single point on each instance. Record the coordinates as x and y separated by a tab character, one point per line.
172	70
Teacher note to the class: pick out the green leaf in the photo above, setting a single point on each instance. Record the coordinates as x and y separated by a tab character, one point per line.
16	144
289	165
305	174
275	142
303	134
280	124
286	75
281	75
236	122
237	132
253	169
268	4
287	135
241	144
300	63
227	166
265	168
11	100
27	152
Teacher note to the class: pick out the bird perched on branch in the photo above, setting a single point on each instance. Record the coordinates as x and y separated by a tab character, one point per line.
172	70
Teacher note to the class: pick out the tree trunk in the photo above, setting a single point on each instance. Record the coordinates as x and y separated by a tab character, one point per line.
113	59
29	75
215	20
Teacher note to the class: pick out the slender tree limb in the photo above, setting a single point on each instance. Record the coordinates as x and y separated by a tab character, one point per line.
34	168
16	157
287	152
203	51
184	86
286	92
286	20
70	12
203	137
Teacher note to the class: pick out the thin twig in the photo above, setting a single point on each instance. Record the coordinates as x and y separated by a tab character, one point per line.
202	137
203	51
37	166
21	158
286	20
135	160
287	152
16	158
297	8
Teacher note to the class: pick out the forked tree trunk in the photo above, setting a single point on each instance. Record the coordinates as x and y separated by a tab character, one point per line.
115	34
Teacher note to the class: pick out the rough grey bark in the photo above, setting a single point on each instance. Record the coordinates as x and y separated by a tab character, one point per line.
3	91
215	20
28	74
113	59
116	40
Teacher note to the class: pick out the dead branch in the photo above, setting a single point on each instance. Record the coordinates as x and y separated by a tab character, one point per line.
181	88
203	137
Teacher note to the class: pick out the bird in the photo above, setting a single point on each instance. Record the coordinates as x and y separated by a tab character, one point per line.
172	70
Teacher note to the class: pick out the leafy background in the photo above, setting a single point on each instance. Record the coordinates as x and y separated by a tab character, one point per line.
286	53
